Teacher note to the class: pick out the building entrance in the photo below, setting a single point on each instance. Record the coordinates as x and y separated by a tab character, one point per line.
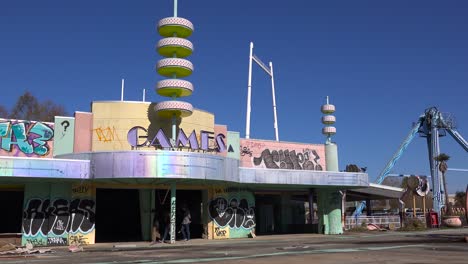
191	199
117	215
11	208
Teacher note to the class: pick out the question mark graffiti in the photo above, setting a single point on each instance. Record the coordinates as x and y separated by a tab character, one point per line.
65	124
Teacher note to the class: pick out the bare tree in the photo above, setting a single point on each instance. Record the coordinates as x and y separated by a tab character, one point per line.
27	107
3	112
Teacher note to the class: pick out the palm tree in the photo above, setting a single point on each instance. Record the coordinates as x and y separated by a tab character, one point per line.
442	158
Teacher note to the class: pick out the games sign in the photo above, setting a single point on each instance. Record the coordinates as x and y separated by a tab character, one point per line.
138	137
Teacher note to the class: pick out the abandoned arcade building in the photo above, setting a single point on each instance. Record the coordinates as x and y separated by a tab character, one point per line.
104	175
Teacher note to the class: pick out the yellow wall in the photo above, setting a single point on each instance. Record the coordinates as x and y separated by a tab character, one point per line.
113	119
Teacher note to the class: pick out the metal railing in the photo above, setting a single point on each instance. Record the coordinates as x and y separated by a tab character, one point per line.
381	221
388	221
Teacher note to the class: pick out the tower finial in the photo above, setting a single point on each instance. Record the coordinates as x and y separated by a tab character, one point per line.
327	100
175	8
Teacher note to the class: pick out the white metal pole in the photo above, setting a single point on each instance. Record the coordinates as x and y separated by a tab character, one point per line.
249	87
122	91
275	124
144	94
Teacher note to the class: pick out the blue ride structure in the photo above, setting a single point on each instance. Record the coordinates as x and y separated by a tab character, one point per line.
431	125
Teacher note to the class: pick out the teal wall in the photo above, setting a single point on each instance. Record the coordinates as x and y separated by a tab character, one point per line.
64	135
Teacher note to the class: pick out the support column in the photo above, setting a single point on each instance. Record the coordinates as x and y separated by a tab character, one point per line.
334	213
205	208
285	212
329	200
311	206
146	217
173	213
323	227
343	209
330	212
368	207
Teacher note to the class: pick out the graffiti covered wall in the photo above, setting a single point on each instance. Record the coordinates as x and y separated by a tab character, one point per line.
52	218
83	216
282	155
26	138
231	212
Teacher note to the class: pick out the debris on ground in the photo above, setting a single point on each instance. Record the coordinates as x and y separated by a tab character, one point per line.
10	249
75	248
373	227
7	247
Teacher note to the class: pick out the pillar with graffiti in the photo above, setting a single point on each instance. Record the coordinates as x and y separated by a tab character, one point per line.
231	213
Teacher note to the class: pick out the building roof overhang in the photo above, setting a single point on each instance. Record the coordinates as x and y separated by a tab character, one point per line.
26	167
374	192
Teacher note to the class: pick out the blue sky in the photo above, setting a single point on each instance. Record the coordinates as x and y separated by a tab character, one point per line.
381	62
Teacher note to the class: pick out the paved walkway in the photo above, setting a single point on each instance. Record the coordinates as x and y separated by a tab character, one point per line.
318	238
429	247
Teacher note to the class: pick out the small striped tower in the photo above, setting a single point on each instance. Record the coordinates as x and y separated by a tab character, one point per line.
328	119
331	150
330	217
175	47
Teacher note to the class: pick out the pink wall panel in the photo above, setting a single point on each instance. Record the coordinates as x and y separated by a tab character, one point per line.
83	132
221	129
282	155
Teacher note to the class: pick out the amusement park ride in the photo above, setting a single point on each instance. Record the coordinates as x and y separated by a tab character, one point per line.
431	125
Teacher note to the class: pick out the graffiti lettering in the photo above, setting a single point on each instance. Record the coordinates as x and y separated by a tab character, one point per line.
78	240
29	137
80	189
36	242
246	151
56	241
236	214
285	159
173	219
58	217
219	232
107	134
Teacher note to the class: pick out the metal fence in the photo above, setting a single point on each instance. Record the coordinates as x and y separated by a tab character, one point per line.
387	221
382	221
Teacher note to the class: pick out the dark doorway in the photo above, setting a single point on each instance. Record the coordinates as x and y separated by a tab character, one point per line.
267	214
191	199
117	215
11	206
